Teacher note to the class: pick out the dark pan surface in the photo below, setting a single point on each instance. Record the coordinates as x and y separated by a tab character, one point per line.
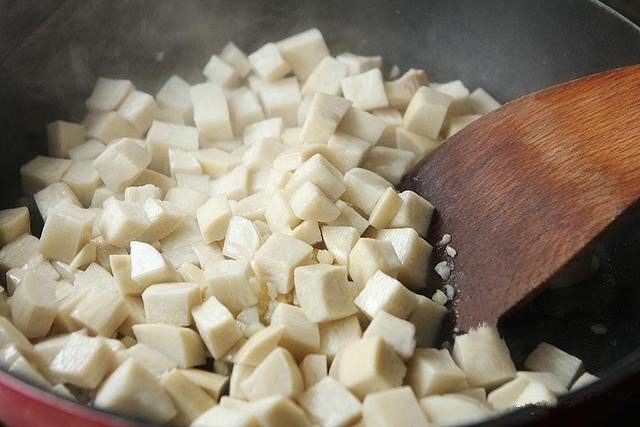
51	52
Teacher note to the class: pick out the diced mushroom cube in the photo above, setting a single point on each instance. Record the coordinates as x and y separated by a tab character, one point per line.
366	90
108	94
329	403
313	368
309	203
535	393
259	345
427	317
232	55
384	293
303	51
275	261
171	303
301	336
484	357
325	112
242	239
10	335
394	407
268	62
210	382
506	395
411	141
66	231
148	266
87	150
181	161
358	64
189	200
385	208
455	124
369	256
33	305
454	409
210	111
321	173
413	253
389	163
101	310
281	99
219	416
278	411
84	180
19	252
398	333
548	358
279	215
415	212
400	91
139	108
133	390
215	162
142	193
213	218
322	292
13	223
369	365
180	344
121	163
259	157
162	136
63	136
291	158
109	126
245	109
216	326
340	240
82	361
460	96
38	265
174	94
363	125
549	380
584	380
228	281
220	72
349	217
121	269
278	373
53	194
42	171
308	232
481	102
336	335
235	183
153	360
433	371
347	151
426	112
189	399
364	188
393	120
264	129
326	77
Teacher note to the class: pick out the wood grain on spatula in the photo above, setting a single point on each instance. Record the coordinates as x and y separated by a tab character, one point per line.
525	188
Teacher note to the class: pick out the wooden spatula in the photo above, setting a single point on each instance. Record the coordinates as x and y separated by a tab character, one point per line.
525	188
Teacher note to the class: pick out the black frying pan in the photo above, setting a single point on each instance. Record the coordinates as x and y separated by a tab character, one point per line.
51	52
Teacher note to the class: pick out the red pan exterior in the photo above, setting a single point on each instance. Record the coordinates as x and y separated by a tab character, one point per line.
22	405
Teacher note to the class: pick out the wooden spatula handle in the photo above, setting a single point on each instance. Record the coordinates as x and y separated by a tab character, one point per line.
525	188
